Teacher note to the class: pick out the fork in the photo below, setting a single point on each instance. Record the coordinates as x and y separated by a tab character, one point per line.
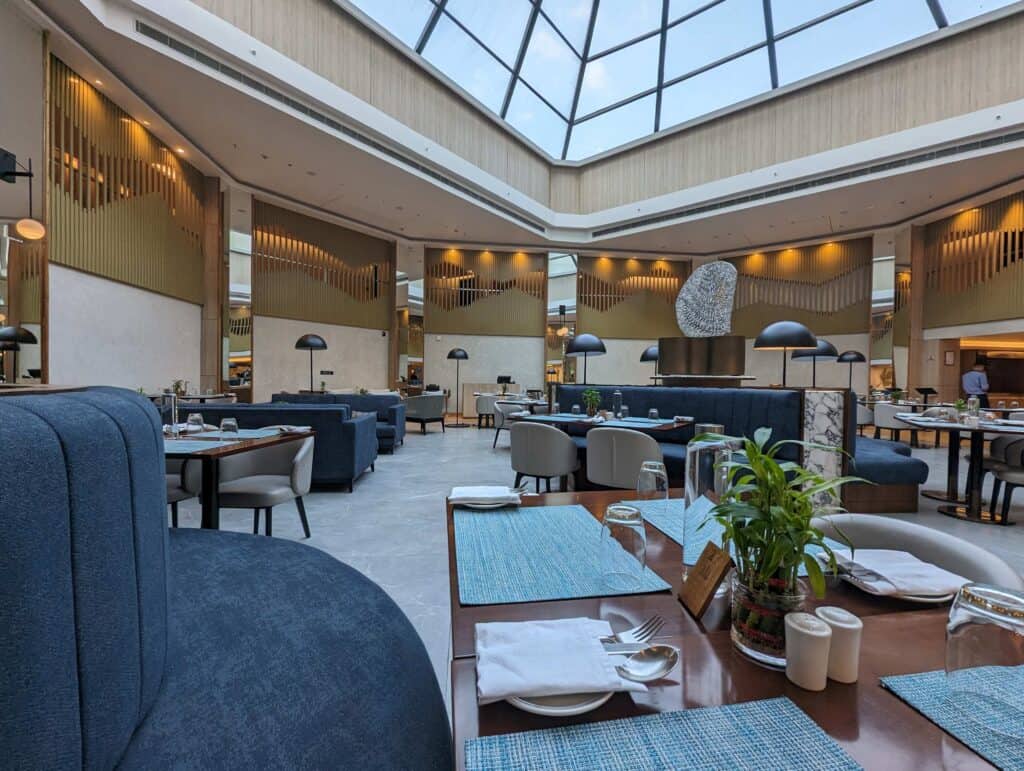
641	633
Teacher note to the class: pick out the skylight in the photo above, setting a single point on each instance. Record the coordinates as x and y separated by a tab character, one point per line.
579	77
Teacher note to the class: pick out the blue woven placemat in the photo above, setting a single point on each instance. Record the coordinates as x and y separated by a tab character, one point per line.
191	445
245	433
767	734
533	553
671	517
988	729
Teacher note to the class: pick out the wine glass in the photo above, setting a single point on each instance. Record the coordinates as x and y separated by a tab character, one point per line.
229	430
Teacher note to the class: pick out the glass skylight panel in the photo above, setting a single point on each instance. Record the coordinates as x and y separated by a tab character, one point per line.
961	10
405	19
863	31
459	57
499	24
622	20
679	8
724	29
536	120
617	76
721	86
571	17
787	14
551	67
613	128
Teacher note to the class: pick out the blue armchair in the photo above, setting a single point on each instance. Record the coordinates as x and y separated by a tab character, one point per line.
127	645
389	408
345	446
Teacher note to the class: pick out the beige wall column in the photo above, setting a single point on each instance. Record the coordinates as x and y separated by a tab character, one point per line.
918	356
393	313
214	290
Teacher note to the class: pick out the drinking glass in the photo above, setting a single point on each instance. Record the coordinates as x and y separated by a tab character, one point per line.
575	409
229	429
652	483
1014	405
555	408
623	547
194	423
1001	404
984	651
652	413
625	411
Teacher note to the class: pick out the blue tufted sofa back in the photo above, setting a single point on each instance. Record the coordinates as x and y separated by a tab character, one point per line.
83	587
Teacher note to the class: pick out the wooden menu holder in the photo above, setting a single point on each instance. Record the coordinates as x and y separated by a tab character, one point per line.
703	579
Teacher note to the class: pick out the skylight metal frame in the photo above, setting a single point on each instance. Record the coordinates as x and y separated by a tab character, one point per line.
586	56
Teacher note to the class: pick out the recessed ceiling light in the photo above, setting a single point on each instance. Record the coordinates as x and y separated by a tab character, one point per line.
179	150
98	82
145	123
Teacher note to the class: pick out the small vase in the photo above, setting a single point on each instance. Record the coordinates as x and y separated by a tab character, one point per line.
758	620
591	411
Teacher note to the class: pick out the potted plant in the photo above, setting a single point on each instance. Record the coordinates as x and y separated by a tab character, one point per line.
592	400
766	513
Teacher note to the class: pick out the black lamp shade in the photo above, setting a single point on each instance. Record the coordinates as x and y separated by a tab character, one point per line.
311	343
785	334
823	350
585	345
17	335
650	354
457	353
8	346
851	357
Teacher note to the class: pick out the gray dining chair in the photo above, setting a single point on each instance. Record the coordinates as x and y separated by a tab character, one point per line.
485	410
542	452
866	531
502	418
265	478
183	480
865	417
615	455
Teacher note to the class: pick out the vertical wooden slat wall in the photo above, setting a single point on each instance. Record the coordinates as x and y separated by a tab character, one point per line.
625	297
974	265
311	270
122	205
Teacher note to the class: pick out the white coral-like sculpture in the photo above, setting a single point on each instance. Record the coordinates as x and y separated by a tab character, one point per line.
704	304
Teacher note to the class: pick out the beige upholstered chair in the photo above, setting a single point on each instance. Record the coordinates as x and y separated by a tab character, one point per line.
485	410
865	417
502	418
542	452
866	531
885	418
614	456
183	481
262	479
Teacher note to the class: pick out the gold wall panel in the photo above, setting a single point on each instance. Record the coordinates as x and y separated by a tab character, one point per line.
305	268
24	285
901	309
484	292
122	205
623	297
974	265
826	286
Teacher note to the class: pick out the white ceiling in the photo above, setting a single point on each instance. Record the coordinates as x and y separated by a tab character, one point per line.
279	153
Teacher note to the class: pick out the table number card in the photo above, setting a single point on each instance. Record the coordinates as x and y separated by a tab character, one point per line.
703	579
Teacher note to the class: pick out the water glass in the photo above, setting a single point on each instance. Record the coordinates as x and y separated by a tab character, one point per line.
652	483
575	409
623	547
984	650
625	411
1014	405
555	408
1001	404
229	430
652	413
194	424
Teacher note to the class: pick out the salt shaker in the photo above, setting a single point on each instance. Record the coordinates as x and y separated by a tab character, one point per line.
807	644
844	655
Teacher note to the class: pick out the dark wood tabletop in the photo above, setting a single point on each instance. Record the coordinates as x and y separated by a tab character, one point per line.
874	726
236	446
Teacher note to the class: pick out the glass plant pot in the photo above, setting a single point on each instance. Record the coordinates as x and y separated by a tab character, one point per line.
758	620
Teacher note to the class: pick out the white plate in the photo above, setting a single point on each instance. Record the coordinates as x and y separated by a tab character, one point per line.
564	705
484	506
934	599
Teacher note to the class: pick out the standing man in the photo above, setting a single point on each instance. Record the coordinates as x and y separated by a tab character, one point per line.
975	383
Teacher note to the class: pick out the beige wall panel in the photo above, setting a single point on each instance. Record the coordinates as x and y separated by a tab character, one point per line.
766	366
621	365
489	356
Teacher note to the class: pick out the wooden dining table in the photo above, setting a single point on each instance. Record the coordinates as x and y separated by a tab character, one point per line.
874	726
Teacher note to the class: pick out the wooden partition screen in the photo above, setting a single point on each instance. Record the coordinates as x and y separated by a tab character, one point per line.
122	205
974	265
827	287
484	292
623	297
307	269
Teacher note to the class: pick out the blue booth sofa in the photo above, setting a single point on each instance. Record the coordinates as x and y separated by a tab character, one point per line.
127	645
389	408
344	448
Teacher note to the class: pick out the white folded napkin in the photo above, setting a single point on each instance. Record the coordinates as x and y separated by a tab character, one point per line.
286	429
484	494
889	572
545	658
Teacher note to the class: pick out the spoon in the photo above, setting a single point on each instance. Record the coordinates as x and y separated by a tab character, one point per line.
652	663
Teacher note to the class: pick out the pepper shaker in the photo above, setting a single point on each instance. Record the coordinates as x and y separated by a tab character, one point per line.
807	644
844	655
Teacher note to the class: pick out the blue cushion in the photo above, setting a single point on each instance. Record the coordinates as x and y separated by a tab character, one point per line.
887	465
312	666
385	430
868	443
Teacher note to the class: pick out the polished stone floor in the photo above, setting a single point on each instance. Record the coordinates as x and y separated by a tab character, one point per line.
392	528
